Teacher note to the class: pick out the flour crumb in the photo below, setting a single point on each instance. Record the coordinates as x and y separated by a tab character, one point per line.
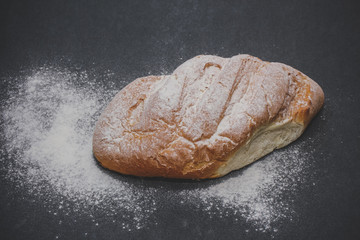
257	192
48	125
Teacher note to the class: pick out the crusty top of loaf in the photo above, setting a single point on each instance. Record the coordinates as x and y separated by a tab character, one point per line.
187	124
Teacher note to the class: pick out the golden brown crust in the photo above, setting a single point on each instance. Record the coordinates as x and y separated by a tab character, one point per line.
189	123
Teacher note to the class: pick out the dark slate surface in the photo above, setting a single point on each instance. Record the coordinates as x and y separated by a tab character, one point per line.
131	38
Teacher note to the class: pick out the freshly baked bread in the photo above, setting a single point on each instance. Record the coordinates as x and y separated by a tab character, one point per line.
212	115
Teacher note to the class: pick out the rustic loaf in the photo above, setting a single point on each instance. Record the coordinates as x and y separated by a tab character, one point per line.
212	115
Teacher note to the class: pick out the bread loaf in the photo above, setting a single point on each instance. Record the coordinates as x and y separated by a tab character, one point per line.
212	115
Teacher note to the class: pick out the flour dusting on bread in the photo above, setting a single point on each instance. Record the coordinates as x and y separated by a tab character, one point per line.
212	115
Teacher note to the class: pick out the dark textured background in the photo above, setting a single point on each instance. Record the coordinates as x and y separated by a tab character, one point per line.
132	38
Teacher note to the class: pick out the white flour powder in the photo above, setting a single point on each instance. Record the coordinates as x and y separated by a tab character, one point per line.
257	192
48	127
48	124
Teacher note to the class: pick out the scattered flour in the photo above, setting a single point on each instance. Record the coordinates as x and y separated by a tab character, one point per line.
47	123
260	192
